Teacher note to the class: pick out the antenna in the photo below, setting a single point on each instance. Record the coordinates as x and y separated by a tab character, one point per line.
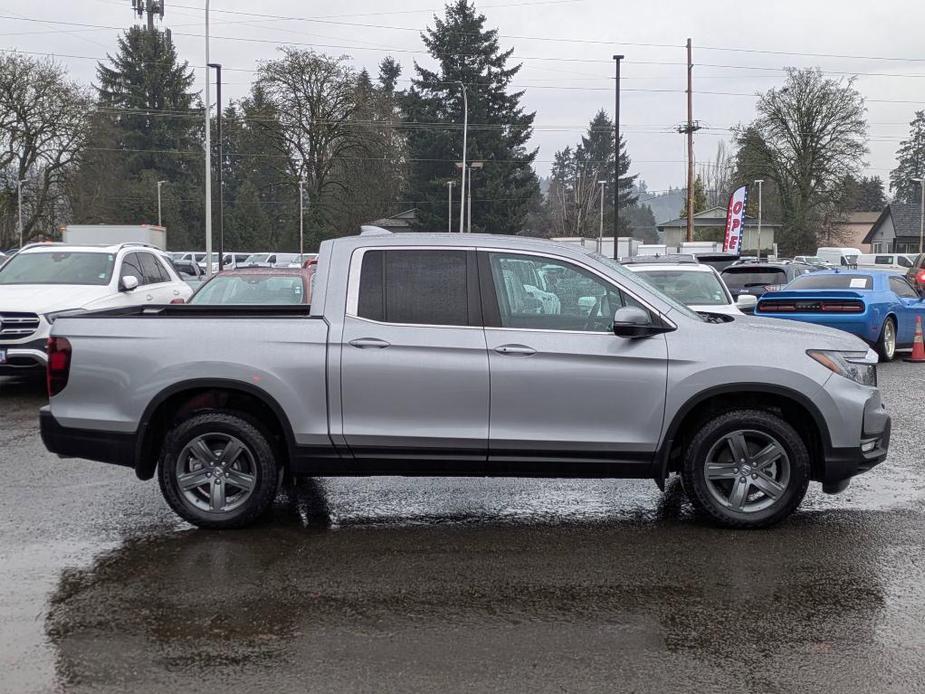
149	8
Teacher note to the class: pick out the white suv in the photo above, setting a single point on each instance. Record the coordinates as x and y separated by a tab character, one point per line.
43	281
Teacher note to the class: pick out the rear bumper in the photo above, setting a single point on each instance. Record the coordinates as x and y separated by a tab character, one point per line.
103	446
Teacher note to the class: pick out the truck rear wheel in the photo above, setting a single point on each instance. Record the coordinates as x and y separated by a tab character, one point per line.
218	470
746	469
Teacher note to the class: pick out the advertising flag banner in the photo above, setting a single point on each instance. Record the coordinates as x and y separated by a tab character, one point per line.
735	221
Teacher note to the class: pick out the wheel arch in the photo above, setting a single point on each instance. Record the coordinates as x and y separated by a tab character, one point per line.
792	405
196	395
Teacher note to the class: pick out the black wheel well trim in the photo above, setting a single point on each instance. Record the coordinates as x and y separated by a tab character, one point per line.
268	400
668	440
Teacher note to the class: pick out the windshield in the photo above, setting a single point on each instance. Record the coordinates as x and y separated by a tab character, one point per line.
633	278
257	258
745	277
839	281
691	288
58	268
251	289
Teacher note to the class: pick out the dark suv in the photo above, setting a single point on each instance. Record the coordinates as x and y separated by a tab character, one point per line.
756	278
916	273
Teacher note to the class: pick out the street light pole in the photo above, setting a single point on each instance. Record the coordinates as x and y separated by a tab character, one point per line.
301	218
208	157
473	165
921	182
221	183
600	235
449	216
758	182
159	184
616	173
462	188
19	207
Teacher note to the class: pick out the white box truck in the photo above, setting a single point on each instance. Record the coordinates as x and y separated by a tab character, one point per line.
110	234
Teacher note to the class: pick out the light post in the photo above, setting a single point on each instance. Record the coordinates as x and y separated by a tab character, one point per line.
600	234
449	215
758	182
473	165
221	162
921	182
301	217
616	173
462	184
208	152
159	184
19	207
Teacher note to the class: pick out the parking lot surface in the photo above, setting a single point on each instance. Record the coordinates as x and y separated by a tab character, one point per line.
458	584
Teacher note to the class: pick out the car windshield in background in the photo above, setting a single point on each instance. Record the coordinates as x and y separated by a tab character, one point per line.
257	258
839	281
690	288
58	268
744	277
244	289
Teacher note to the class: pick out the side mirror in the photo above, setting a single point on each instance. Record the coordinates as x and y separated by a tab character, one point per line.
128	283
632	322
747	301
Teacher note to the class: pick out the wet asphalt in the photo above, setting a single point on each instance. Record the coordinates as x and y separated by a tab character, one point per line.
450	585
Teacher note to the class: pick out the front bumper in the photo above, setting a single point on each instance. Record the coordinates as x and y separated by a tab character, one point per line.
841	464
23	356
103	446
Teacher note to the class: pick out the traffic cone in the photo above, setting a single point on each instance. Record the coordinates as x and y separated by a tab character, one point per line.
918	344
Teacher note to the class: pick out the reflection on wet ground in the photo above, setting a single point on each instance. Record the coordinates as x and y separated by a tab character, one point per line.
456	584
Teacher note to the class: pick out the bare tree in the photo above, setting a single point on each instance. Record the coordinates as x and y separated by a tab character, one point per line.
718	176
810	135
43	125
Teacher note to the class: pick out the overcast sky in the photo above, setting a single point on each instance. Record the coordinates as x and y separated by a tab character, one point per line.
565	47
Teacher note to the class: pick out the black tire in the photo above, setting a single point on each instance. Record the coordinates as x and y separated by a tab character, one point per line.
883	350
755	426
256	455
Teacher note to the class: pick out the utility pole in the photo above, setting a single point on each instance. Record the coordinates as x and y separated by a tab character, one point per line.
473	165
600	234
208	152
19	206
159	184
616	173
920	181
301	217
221	184
462	185
449	216
689	128
758	182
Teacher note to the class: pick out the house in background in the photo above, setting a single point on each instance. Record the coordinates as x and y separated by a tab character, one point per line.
710	225
897	229
853	232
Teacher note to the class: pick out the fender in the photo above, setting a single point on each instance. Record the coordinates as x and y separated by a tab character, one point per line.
661	456
144	467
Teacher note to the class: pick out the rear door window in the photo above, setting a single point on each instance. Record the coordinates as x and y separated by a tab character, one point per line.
902	288
131	267
152	270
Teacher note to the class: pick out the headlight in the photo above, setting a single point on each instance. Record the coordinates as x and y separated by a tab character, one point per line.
52	317
860	367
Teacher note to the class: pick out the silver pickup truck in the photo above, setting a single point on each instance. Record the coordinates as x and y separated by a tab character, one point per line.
464	355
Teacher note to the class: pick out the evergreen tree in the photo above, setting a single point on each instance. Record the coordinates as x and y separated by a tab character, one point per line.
699	197
145	131
499	128
910	162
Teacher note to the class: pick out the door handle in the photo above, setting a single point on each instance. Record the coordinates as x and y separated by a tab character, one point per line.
364	342
518	350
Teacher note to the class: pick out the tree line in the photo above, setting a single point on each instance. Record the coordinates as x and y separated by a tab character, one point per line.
363	148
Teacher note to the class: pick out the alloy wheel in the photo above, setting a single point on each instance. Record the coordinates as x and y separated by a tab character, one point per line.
747	471
889	339
216	472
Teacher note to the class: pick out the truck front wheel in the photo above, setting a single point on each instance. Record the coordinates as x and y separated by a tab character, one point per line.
218	470
746	469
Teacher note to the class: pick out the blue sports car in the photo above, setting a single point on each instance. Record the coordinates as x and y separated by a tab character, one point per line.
878	306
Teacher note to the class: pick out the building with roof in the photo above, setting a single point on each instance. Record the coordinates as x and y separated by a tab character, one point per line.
898	229
854	230
710	225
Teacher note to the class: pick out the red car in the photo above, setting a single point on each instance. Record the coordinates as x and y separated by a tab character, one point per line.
257	286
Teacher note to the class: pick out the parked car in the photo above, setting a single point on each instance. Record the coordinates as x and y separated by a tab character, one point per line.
878	306
756	278
839	256
258	260
718	261
885	261
425	354
813	260
45	281
916	273
262	286
699	287
190	272
3	258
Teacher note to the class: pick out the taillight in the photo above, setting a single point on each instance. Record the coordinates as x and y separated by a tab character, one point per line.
842	307
920	277
59	364
776	307
833	306
178	300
